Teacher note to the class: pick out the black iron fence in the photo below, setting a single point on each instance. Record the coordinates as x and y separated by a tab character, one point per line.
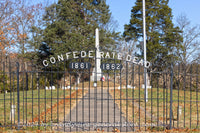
64	98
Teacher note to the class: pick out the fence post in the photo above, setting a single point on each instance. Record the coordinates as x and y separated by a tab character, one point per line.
171	96
18	102
4	93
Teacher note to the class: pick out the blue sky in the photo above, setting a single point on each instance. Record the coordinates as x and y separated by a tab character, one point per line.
121	10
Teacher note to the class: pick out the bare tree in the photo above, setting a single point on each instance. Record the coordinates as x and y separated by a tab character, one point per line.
6	30
127	48
23	21
191	43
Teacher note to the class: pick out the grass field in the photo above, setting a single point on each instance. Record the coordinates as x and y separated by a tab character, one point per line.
50	105
43	105
158	107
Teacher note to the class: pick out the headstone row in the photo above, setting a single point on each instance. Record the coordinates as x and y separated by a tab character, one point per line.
50	88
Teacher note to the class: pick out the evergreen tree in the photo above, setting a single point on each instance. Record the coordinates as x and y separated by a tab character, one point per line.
162	37
70	25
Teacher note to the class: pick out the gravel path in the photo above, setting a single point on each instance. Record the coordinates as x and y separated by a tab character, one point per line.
95	112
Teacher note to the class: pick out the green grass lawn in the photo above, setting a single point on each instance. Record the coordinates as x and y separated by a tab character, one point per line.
32	104
158	106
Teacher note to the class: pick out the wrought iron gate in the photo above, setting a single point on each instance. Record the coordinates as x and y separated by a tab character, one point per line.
64	97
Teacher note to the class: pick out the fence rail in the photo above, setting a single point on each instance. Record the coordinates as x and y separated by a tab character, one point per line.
63	99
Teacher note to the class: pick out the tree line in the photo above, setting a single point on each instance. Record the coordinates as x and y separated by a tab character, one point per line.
39	31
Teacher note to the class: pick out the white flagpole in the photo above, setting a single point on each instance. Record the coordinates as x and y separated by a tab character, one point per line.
145	58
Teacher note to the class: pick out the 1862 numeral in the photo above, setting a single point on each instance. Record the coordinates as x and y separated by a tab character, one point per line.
111	66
